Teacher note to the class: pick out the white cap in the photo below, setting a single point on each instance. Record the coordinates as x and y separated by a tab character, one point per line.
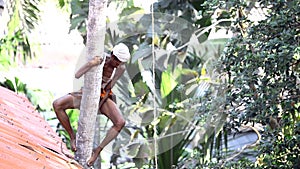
121	51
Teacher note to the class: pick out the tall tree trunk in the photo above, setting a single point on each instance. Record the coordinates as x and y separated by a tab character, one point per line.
97	140
92	82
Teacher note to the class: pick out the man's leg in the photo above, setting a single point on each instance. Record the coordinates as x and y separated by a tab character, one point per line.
60	105
111	111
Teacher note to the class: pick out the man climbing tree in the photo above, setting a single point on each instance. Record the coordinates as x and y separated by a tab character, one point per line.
92	81
113	68
87	99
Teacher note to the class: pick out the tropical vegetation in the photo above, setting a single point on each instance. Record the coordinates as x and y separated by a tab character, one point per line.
16	46
184	93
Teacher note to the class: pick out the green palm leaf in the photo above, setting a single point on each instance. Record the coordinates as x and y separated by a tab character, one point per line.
23	17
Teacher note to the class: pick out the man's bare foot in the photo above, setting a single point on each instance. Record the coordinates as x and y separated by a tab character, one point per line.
94	156
73	145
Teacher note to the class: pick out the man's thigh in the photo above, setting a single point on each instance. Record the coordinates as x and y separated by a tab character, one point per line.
110	109
75	98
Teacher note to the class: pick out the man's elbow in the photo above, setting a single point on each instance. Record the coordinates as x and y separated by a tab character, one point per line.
77	76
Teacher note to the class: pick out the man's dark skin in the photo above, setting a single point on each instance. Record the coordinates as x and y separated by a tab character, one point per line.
107	106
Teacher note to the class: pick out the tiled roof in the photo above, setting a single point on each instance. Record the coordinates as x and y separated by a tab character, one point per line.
26	140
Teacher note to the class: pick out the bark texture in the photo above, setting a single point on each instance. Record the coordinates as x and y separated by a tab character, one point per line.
92	82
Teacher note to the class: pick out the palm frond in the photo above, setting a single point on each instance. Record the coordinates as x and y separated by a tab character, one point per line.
24	14
23	17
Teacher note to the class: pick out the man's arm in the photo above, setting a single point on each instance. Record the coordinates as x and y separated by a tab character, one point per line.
119	72
86	67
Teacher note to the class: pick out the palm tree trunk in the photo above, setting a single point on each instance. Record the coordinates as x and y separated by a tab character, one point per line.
92	82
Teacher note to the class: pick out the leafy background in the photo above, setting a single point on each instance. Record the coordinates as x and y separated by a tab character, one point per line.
208	93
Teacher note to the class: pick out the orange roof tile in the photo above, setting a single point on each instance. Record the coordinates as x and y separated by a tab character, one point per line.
26	140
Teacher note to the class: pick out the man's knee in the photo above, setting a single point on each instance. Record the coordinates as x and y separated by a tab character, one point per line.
57	105
120	124
65	102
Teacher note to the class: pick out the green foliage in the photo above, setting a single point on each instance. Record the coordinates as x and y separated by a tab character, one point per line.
131	10
177	112
262	68
79	16
40	99
263	75
79	13
282	151
15	45
25	15
168	82
242	163
192	11
177	76
261	63
15	85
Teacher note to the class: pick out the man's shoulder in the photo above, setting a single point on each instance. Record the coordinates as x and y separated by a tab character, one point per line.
121	67
106	54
